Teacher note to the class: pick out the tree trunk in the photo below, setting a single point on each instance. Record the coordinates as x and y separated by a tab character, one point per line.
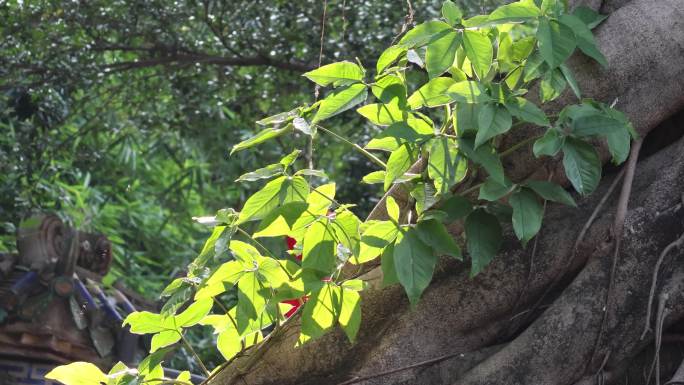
540	315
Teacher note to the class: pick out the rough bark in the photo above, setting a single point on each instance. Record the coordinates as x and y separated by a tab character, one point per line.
557	342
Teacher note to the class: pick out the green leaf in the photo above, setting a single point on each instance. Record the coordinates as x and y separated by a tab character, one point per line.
275	193
301	125
435	235
263	173
526	111
590	17
527	214
485	157
279	118
251	303
424	196
398	163
312	172
451	12
582	165
261	137
441	53
618	145
337	74
570	78
392	208
280	221
346	226
552	85
585	39
535	66
374	177
288	159
389	56
389	273
424	33
390	89
432	93
320	313
493	120
382	114
77	373
194	313
375	238
414	263
456	207
350	312
319	247
551	191
229	343
412	131
483	237
467	92
515	12
445	166
479	50
549	144
491	190
340	100
596	124
556	41
145	322
164	339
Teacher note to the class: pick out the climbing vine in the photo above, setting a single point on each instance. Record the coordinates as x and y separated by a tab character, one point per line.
439	160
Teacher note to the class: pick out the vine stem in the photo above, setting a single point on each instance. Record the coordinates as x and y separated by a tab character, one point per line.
194	353
363	151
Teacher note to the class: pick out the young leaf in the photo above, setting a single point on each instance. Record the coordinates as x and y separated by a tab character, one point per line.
479	50
389	56
551	191
164	339
319	247
374	177
441	53
251	295
483	237
390	89
527	214
398	163
556	41
435	235
229	342
194	313
526	111
337	74
414	263
261	137
493	120
451	12
582	165
340	100
346	227
549	144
